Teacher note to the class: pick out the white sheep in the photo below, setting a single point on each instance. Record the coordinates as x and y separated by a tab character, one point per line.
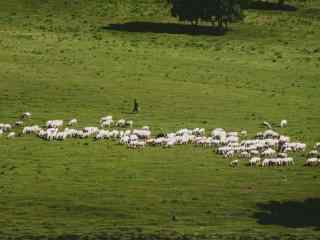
121	123
245	155
106	123
142	133
73	122
125	140
244	133
90	131
283	155
129	123
5	127
26	115
31	129
254	161
229	154
267	124
270	134
284	123
234	163
313	153
107	118
54	123
19	123
312	162
11	135
60	136
269	152
287	161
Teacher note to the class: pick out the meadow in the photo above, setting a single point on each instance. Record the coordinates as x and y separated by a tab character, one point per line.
86	59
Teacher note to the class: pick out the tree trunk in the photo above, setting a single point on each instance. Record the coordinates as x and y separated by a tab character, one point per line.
220	24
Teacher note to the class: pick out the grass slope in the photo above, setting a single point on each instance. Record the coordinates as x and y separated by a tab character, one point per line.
61	65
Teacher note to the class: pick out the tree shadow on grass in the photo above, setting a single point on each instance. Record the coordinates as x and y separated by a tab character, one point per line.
263	5
292	214
169	28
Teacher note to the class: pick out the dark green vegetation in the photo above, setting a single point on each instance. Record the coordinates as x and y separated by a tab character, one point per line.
212	11
62	59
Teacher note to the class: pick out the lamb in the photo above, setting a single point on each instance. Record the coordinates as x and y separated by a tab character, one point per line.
234	163
11	135
1	132
121	123
244	133
129	123
73	122
267	124
26	115
284	123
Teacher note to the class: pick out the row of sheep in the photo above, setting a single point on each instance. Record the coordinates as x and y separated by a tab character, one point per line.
104	123
267	148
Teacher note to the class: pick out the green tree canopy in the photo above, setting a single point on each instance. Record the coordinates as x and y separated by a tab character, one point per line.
220	12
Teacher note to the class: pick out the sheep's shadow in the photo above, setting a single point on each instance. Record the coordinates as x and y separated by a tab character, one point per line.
292	214
274	6
169	28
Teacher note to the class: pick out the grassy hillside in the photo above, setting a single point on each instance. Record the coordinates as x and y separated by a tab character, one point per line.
65	59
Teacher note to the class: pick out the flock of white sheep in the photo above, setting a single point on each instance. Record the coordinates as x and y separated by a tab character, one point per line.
267	148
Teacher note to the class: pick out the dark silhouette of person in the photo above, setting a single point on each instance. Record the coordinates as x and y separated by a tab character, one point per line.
136	107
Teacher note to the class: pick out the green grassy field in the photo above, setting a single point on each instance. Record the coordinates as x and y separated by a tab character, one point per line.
61	59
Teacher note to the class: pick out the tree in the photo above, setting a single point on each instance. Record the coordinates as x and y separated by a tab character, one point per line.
220	12
281	2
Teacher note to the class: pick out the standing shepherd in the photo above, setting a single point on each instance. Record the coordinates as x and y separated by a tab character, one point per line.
136	107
